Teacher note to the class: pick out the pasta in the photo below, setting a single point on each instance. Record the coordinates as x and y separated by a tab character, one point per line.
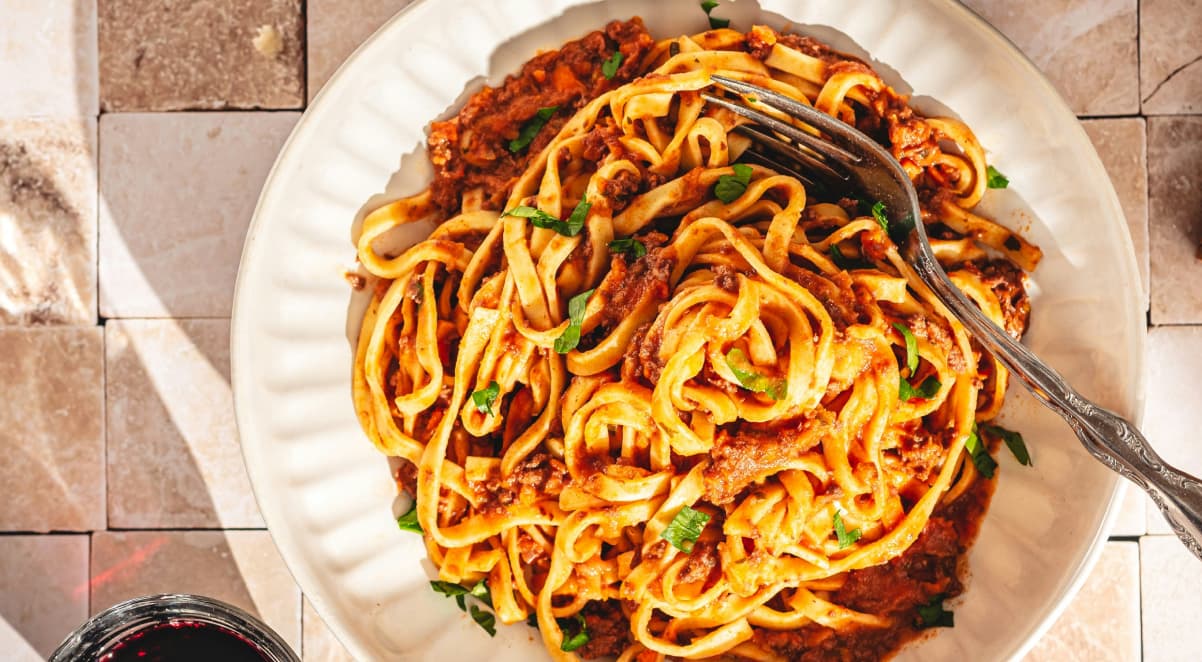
668	403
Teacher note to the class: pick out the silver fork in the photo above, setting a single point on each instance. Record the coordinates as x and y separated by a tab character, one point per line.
845	158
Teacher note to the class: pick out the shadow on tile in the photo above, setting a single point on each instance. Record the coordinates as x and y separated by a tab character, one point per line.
53	282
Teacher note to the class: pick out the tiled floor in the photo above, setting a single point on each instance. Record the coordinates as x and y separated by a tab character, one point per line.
127	477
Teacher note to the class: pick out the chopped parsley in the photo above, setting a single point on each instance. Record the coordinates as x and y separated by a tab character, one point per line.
577	218
609	68
1014	441
715	23
751	380
531	129
995	179
730	187
924	391
985	463
911	346
483	618
685	528
570	337
628	246
845	263
532	621
408	521
571	643
933	615
902	229
541	219
485	397
878	212
846	538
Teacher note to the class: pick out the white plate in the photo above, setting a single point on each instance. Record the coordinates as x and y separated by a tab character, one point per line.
326	494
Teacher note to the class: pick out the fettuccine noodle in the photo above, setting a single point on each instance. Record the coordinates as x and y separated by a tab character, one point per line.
746	361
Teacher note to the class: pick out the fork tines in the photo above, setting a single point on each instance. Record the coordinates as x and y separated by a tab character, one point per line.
811	152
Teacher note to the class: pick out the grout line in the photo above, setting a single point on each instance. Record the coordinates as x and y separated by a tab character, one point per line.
1139	602
89	578
304	25
162	318
51	534
181	111
1139	63
182	529
99	199
1120	116
104	418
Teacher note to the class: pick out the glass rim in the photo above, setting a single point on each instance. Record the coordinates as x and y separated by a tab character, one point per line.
92	639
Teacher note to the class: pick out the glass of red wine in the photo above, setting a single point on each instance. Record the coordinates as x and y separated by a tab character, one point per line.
173	628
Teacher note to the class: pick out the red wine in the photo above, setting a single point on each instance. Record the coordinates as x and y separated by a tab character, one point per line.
183	641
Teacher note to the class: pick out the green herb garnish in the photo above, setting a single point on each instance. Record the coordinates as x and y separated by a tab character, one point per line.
911	346
408	521
541	219
685	528
577	640
902	229
845	263
485	619
531	128
751	380
878	212
1014	441
927	390
609	68
980	454
995	179
846	538
933	615
577	218
485	397
715	23
628	246
570	337
730	187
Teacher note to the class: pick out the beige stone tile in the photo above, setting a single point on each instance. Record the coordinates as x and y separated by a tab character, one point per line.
179	191
52	429
1122	145
48	58
1170	583
319	643
181	54
1175	218
1101	624
1170	50
173	454
1087	48
43	593
242	568
1173	416
1131	519
336	27
47	220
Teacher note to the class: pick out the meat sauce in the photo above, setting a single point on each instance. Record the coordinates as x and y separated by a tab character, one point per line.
470	152
933	567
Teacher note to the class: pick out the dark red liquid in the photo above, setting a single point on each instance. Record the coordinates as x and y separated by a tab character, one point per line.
184	641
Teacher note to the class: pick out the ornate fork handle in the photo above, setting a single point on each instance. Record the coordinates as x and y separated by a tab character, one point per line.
871	169
1106	435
